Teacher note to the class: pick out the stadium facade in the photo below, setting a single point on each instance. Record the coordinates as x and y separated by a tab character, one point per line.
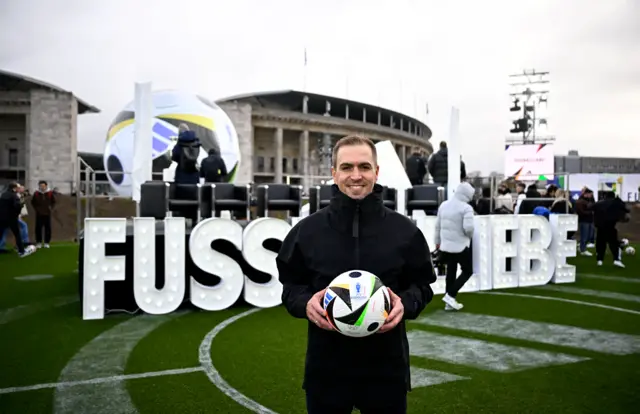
38	131
287	135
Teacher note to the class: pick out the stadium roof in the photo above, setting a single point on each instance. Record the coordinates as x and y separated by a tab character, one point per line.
10	81
292	100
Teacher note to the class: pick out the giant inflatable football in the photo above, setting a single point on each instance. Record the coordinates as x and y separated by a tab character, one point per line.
170	109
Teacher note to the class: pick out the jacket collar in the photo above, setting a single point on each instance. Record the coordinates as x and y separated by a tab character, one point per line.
342	209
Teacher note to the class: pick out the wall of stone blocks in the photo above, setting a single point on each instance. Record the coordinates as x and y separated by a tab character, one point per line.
52	139
240	115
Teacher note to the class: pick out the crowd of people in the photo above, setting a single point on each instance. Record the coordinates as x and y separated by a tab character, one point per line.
14	212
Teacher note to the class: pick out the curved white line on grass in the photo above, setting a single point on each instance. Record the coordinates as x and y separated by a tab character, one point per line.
578	302
105	356
591	292
609	278
214	375
22	311
29	278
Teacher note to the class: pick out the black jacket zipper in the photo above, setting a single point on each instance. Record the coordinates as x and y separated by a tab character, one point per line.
356	234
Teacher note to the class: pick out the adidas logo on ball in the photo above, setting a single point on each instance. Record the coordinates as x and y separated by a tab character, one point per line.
357	303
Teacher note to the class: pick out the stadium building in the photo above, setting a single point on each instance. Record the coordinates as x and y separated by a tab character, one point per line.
573	163
38	132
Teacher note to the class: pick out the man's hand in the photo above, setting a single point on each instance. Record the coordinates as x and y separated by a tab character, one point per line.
396	314
316	313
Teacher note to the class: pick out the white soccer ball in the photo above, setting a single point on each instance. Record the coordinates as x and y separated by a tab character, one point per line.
170	109
629	250
624	242
357	303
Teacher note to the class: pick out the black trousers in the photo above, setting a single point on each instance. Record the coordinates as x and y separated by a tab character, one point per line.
15	229
416	181
392	401
43	225
607	236
452	260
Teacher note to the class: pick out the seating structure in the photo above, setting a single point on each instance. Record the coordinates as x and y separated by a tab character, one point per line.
183	198
279	197
218	197
425	197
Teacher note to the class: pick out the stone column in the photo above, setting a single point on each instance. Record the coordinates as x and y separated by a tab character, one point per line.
304	159
278	137
403	155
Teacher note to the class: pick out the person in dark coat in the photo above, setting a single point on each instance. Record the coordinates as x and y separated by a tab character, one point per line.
584	209
43	202
10	207
606	214
213	168
356	232
416	168
183	153
439	166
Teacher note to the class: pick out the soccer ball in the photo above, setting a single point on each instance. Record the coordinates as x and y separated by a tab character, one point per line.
357	303
630	250
170	109
624	242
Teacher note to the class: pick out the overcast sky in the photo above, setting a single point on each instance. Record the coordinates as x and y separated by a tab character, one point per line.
441	53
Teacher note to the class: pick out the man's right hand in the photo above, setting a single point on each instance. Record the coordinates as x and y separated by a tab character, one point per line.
316	313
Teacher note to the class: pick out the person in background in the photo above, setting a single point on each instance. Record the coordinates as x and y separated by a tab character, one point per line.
24	229
561	204
551	191
43	202
503	203
584	209
482	206
10	208
213	169
439	166
454	231
416	167
185	153
606	214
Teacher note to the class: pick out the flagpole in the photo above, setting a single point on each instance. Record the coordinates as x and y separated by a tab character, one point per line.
304	86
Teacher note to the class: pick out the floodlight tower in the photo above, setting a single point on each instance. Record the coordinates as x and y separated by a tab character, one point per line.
527	96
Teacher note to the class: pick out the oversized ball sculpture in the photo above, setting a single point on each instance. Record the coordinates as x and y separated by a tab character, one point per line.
170	109
357	303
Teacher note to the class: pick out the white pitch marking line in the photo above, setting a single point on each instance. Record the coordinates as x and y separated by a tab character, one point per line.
113	378
421	377
609	278
22	311
104	356
591	292
214	375
482	354
577	302
547	333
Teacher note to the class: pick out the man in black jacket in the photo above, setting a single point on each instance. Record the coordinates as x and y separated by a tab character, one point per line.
213	168
606	214
439	166
10	207
416	168
356	232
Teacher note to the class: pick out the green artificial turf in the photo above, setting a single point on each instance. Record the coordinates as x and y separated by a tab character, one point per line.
262	355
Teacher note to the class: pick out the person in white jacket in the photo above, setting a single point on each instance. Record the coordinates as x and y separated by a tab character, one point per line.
454	230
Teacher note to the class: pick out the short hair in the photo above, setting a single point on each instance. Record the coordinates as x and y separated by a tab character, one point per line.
521	184
42	182
13	185
352	140
443	144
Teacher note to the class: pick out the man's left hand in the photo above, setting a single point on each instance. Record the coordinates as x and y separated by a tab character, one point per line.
396	314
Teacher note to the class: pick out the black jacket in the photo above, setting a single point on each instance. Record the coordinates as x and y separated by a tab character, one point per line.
213	168
182	176
10	206
416	168
348	235
607	212
439	167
